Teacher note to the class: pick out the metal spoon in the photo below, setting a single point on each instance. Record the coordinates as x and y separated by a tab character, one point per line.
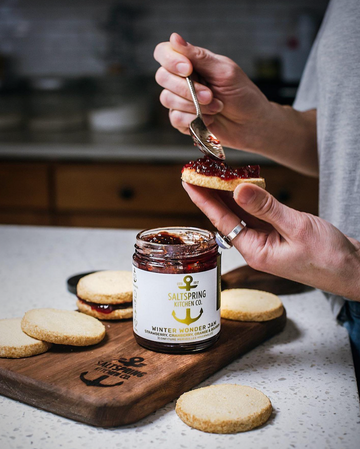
204	139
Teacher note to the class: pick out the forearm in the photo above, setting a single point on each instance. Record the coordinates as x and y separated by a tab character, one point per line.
288	137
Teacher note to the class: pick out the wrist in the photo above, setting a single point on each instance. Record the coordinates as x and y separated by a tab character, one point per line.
350	284
288	137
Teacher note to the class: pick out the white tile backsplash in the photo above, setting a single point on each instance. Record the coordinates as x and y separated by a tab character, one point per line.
53	37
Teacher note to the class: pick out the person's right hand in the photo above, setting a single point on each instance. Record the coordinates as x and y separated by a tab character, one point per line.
234	109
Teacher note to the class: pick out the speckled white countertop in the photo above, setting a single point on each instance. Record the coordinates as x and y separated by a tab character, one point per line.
306	371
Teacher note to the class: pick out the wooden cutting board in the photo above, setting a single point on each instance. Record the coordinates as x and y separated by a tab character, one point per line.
118	382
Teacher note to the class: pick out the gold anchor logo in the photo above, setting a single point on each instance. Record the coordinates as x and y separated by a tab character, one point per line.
187	281
187	319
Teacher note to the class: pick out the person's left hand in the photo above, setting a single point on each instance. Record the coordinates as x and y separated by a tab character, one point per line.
282	241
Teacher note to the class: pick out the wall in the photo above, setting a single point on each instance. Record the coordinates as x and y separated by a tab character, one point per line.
67	37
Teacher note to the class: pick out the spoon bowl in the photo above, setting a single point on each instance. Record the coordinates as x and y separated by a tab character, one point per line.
203	138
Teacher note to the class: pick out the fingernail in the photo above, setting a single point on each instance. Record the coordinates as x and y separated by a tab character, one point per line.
182	41
204	96
246	195
183	68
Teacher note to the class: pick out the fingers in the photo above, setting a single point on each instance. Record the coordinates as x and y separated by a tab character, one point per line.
173	101
251	221
181	120
203	61
218	206
178	85
210	203
179	57
260	204
172	60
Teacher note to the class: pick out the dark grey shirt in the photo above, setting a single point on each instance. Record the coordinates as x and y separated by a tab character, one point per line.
331	84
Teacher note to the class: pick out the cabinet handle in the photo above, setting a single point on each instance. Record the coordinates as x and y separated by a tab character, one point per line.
126	193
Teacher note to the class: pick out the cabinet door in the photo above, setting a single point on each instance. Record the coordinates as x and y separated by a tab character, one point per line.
23	185
293	189
143	188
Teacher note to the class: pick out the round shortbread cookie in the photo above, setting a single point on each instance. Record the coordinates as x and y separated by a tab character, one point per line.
243	304
63	327
106	287
14	343
213	182
118	314
224	408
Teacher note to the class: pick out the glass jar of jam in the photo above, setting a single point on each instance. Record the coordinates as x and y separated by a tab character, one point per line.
176	295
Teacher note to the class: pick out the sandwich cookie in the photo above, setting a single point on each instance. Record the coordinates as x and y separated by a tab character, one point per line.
106	295
224	408
63	327
14	343
243	304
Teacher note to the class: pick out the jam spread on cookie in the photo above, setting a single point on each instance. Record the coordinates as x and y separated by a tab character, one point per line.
164	238
209	166
105	308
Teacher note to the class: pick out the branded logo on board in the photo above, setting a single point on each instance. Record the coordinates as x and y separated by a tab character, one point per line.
119	369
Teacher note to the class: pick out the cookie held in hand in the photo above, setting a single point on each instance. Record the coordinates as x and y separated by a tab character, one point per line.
213	174
224	408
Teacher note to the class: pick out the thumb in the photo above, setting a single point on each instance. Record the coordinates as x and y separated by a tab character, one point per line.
203	60
260	204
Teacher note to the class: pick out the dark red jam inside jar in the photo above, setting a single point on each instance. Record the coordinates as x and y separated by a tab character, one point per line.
176	295
210	166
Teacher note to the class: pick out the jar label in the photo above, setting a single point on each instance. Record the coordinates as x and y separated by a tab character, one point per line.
176	308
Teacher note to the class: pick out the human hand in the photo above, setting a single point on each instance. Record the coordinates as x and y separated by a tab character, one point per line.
234	109
282	241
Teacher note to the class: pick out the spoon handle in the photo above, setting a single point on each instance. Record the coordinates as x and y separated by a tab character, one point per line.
194	97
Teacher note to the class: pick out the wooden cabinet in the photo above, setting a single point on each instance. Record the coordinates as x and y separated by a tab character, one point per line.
120	195
24	193
127	188
295	190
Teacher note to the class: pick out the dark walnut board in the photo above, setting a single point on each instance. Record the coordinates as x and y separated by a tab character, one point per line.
118	382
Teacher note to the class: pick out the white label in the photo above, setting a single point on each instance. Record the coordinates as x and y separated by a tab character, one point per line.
176	308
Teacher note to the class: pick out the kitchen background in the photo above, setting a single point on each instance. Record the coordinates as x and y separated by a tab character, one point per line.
84	140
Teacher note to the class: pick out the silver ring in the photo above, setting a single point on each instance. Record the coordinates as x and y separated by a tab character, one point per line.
225	241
